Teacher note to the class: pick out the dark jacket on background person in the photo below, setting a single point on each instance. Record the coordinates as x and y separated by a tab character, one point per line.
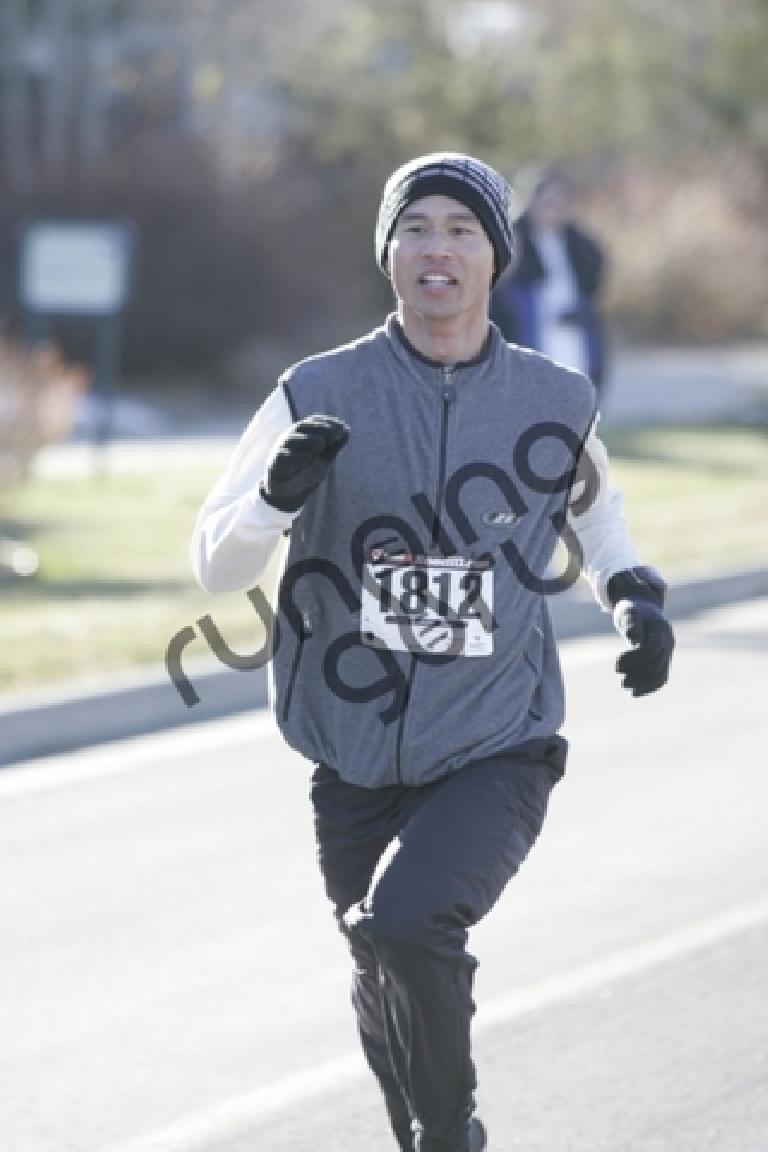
513	303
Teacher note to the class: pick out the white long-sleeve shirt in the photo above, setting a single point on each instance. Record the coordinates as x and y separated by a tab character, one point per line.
237	532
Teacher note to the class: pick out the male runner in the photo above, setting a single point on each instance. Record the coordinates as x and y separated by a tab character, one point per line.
424	475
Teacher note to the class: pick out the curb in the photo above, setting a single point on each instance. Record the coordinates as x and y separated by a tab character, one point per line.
81	717
75	718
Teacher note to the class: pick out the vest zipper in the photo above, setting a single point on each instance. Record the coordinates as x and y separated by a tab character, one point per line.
448	396
294	669
292	681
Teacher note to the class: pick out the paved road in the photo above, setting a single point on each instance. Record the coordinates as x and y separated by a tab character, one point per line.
688	384
170	979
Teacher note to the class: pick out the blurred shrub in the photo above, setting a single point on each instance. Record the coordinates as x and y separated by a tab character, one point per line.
39	394
688	251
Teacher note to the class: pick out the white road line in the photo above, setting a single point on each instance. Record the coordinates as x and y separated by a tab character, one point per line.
622	963
236	1116
149	751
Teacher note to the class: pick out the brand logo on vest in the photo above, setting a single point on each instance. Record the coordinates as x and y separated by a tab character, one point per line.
499	519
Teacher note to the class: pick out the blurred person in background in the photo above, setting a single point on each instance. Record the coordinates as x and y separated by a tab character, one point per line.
423	474
549	297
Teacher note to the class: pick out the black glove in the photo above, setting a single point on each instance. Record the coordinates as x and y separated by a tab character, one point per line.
300	460
637	596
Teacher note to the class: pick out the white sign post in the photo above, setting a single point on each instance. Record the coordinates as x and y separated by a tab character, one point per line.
79	269
73	269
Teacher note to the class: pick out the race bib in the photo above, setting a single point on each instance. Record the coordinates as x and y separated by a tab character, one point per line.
434	605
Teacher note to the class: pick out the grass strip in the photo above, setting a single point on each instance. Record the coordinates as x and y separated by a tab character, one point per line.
114	582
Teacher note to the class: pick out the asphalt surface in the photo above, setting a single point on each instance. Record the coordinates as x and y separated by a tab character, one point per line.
170	978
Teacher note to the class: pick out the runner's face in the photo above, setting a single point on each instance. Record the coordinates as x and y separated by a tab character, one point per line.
441	260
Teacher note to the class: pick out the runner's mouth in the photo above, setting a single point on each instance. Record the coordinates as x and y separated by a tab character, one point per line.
438	279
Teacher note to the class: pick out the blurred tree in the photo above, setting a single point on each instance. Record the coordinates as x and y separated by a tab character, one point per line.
250	144
731	83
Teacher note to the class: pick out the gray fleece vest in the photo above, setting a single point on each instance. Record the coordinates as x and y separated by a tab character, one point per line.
474	461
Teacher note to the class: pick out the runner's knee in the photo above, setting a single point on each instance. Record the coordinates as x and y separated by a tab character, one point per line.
393	928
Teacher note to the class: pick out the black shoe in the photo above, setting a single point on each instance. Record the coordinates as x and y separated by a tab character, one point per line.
478	1137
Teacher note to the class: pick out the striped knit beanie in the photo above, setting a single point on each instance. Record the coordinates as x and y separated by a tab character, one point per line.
465	179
